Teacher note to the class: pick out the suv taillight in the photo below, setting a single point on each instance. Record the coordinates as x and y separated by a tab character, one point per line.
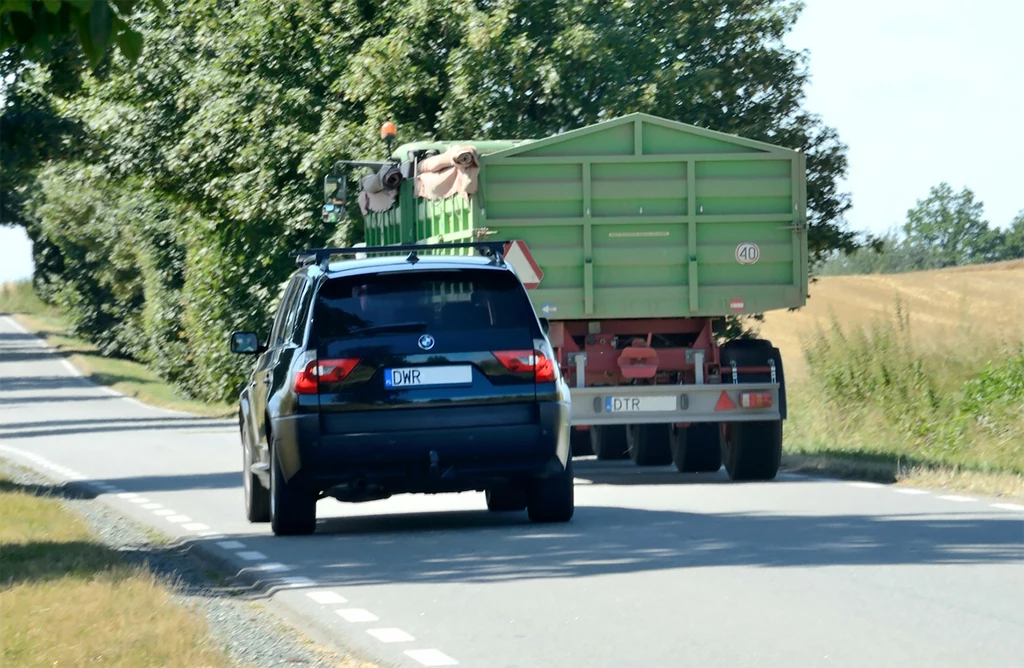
522	361
308	379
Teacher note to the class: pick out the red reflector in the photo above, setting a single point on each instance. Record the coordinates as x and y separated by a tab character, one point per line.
307	381
725	403
524	361
756	399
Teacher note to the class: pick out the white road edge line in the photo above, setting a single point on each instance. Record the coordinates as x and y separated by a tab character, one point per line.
326	597
195	526
251	556
431	657
356	615
153	506
390	635
178	519
959	499
908	490
165	512
1008	506
273	567
298	581
865	485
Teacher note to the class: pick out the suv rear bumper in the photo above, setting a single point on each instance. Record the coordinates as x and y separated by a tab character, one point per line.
440	455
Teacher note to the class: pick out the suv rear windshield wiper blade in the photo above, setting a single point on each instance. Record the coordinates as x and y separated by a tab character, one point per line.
393	327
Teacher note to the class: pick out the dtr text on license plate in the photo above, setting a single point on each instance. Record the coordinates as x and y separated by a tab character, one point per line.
641	404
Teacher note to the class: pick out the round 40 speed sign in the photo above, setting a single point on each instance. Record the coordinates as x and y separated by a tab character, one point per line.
747	253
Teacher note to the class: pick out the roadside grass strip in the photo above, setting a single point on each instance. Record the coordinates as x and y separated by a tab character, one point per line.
69	600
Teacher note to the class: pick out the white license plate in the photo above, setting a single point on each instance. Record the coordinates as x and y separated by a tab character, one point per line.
641	404
423	376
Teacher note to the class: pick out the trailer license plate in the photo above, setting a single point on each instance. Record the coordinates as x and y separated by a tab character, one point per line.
422	376
661	404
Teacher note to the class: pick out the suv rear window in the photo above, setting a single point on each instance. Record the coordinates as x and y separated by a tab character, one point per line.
460	299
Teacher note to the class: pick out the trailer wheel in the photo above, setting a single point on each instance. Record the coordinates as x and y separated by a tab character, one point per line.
648	444
579	442
753	450
697	448
609	441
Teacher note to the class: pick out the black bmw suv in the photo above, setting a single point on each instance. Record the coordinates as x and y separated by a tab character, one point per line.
389	375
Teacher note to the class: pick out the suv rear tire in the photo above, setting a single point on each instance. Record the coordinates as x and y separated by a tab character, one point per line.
697	448
648	444
292	511
609	441
552	499
505	499
257	497
753	450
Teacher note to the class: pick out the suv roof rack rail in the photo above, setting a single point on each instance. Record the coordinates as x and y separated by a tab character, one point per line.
321	256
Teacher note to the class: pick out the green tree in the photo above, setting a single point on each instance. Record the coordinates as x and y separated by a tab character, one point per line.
948	229
1013	239
37	25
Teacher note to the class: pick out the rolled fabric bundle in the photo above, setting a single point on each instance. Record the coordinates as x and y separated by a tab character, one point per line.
464	157
454	172
390	176
372	183
378	201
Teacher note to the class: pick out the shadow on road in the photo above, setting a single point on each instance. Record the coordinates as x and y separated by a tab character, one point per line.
471	546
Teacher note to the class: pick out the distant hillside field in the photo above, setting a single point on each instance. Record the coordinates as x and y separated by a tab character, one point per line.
963	304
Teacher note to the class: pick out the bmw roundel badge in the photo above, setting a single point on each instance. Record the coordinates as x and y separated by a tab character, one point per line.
426	342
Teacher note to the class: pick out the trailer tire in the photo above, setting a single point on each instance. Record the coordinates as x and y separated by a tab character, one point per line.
579	442
755	352
648	444
609	441
697	448
753	450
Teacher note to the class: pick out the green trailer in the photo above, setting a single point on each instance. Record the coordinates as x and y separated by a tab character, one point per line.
633	237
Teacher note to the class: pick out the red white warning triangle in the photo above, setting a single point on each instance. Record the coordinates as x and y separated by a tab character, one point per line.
517	254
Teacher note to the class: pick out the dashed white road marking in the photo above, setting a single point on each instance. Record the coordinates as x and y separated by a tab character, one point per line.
908	490
164	513
273	567
1008	506
431	657
390	635
178	519
326	597
865	485
954	497
128	495
298	581
357	615
139	499
582	481
195	526
153	506
231	545
252	556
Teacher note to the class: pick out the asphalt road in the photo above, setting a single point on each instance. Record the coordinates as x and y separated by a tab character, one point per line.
656	569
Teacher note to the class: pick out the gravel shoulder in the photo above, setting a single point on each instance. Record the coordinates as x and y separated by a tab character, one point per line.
245	621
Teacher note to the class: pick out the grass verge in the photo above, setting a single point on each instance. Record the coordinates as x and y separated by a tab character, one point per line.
881	404
130	378
66	599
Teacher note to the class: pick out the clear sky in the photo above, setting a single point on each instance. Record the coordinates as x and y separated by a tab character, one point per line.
922	91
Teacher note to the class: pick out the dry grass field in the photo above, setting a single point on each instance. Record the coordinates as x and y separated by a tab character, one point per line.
910	376
981	303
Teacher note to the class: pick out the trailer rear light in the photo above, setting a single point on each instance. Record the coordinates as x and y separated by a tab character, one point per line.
755	399
307	381
524	361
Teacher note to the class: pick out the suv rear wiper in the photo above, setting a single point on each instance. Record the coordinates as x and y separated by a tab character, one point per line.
393	327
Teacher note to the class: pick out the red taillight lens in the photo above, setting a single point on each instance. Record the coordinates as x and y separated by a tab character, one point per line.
756	399
307	381
523	361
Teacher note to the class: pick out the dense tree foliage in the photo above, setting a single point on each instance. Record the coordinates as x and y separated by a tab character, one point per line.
946	229
183	180
35	25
